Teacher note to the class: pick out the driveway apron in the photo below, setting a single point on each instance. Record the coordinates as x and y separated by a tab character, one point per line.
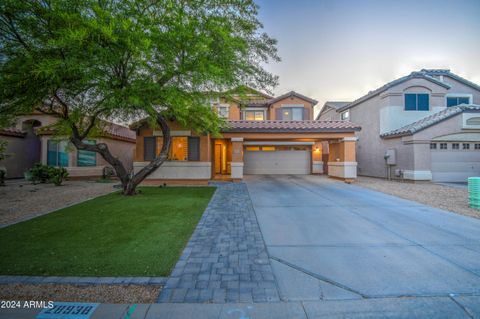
328	240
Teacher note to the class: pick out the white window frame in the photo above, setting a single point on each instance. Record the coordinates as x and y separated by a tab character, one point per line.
294	106
226	107
345	115
470	97
254	109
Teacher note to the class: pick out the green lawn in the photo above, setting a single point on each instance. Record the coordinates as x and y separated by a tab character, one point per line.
111	235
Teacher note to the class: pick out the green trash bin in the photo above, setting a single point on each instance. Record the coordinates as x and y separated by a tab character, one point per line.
474	192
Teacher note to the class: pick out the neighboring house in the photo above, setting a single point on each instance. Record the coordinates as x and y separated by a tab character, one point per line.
31	141
417	122
266	135
329	111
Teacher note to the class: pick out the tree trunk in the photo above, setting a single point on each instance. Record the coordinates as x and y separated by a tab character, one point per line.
129	180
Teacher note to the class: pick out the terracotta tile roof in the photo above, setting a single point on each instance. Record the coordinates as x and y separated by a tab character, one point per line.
291	126
112	130
12	131
119	131
429	120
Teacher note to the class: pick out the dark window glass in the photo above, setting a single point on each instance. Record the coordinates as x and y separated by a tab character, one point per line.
410	102
57	153
453	101
149	148
87	158
423	104
443	146
466	146
455	146
477	146
416	102
433	146
193	148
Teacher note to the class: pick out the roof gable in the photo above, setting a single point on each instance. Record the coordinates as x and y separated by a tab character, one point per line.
291	94
413	75
331	105
446	72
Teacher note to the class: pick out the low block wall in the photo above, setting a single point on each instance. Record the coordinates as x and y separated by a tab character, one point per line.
178	170
347	170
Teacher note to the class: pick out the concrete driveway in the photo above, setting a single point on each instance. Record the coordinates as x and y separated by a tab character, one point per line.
332	241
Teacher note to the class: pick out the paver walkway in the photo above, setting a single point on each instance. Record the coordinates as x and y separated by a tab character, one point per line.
226	259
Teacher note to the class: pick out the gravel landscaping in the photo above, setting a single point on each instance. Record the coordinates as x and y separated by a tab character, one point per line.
96	293
22	200
449	198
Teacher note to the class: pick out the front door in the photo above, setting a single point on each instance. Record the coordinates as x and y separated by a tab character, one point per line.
218	158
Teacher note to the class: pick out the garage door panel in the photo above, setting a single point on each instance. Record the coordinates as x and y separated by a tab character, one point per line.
277	162
455	165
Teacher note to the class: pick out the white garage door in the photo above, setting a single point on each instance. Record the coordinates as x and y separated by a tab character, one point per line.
277	162
455	165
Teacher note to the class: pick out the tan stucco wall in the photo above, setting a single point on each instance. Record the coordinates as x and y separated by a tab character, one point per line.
290	100
329	115
205	142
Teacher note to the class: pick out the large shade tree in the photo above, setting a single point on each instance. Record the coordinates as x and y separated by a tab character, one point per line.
93	60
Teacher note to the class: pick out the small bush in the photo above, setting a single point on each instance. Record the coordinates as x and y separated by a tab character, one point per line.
57	175
40	173
44	173
3	175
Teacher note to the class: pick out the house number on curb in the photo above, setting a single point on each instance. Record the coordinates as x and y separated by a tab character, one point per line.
68	310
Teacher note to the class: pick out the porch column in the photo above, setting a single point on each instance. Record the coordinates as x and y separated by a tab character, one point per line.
342	162
237	158
317	163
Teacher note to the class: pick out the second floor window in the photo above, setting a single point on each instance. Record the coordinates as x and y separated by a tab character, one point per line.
457	100
417	102
292	113
254	115
345	116
222	111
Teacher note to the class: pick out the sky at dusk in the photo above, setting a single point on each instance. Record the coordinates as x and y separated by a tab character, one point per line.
341	49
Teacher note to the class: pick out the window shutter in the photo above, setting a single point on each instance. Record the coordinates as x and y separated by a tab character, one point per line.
193	148
278	114
149	148
306	114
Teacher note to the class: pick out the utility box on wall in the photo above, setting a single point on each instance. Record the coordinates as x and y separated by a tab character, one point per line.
391	156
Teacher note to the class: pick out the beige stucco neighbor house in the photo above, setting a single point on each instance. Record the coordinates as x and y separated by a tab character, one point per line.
30	141
424	126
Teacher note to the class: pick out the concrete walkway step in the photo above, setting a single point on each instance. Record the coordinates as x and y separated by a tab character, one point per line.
419	307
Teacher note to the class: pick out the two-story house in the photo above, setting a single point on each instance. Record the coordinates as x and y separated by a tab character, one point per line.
265	135
424	126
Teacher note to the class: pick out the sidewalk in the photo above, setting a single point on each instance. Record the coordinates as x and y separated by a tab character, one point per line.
420	307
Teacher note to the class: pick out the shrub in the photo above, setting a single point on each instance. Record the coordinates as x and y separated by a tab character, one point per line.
57	175
40	173
3	175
